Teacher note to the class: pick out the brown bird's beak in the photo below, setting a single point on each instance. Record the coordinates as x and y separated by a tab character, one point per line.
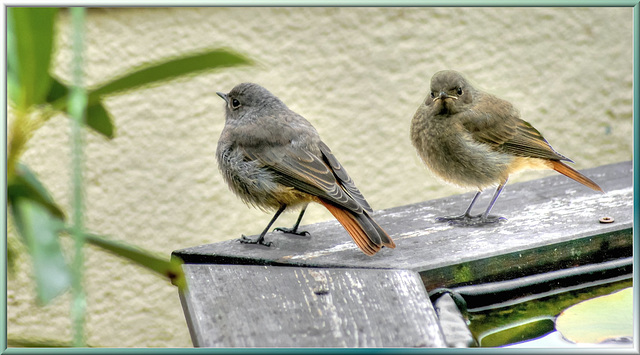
223	96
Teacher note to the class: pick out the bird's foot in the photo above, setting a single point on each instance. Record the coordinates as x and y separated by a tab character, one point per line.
493	219
466	220
260	240
291	231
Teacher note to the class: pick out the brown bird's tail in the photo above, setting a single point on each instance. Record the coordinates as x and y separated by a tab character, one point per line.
568	171
367	234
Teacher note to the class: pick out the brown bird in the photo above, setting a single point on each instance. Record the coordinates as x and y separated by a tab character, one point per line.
274	159
473	139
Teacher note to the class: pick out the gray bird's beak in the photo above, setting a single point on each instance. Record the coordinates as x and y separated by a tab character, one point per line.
223	96
443	95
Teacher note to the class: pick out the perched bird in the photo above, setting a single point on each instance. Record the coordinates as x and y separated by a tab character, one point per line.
273	158
473	139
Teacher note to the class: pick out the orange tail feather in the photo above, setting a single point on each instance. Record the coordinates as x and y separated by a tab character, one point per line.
350	223
568	171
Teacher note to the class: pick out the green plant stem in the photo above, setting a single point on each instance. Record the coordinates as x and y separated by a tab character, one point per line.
21	130
18	137
77	109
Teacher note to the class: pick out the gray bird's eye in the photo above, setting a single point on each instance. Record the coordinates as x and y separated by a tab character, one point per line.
459	91
235	103
433	95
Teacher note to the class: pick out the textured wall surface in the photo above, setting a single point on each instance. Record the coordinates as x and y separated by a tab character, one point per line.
358	74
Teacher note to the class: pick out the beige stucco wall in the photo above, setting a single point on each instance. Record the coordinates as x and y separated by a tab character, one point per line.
358	74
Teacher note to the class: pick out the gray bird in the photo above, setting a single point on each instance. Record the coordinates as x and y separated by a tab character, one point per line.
273	158
471	138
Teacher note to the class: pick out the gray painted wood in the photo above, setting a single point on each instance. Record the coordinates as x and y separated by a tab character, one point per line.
552	222
273	306
453	323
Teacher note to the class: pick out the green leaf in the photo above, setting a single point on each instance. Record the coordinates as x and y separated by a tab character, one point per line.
57	91
25	184
13	84
38	220
97	117
39	231
30	34
517	332
99	120
158	72
33	342
172	269
13	253
599	319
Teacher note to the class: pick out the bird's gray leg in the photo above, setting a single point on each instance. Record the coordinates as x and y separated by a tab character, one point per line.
486	218
260	239
294	229
463	218
467	219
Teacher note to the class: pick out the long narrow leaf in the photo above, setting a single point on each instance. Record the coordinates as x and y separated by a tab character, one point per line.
97	117
154	73
39	231
13	253
38	220
99	120
171	269
57	91
34	342
30	40
13	81
25	184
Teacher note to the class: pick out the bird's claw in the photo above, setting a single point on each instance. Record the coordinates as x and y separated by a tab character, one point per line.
245	240
291	231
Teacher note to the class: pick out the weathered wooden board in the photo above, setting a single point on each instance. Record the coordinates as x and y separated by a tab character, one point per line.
551	221
275	306
453	324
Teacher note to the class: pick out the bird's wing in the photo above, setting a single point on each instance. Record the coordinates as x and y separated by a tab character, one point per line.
506	132
529	142
343	178
303	170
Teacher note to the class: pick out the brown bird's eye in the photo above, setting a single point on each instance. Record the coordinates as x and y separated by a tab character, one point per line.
459	91
235	103
433	95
